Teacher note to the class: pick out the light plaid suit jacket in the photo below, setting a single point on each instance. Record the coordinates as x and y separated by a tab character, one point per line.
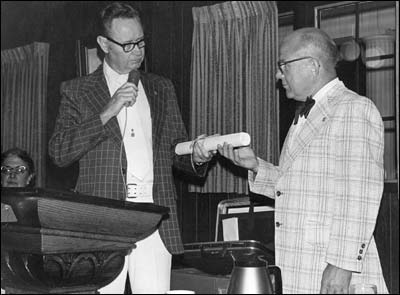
80	136
327	189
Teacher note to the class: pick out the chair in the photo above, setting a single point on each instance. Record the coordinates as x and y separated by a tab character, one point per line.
242	208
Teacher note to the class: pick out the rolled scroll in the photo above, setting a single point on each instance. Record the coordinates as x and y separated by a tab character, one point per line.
211	143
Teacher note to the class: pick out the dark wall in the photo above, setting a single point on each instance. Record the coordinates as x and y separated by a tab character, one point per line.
59	23
168	26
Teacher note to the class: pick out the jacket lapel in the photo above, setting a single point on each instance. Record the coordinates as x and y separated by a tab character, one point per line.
315	123
157	101
98	96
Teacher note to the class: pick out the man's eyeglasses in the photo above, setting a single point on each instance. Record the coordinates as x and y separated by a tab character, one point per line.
282	64
7	170
128	47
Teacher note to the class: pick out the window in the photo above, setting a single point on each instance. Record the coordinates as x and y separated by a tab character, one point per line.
365	32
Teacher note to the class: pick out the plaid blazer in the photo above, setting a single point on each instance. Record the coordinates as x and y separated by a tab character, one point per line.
327	189
80	136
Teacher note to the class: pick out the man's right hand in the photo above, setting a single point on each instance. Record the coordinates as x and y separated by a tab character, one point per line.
243	157
124	96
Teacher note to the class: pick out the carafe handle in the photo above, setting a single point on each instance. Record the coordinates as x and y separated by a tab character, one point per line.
276	278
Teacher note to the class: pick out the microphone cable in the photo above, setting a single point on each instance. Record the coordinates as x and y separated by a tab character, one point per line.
120	153
133	77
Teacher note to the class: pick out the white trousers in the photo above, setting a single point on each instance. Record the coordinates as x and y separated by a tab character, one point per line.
148	267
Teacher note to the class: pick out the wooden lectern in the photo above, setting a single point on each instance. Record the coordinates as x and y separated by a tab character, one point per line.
65	242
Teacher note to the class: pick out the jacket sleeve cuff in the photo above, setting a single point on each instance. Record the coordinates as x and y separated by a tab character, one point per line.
263	182
352	258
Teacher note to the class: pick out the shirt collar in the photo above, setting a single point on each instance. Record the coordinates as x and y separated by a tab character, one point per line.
324	90
112	76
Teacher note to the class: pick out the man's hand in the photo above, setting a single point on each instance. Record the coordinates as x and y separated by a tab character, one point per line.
124	96
335	280
243	157
200	154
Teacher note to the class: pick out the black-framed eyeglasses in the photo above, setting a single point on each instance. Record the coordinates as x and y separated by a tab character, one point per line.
128	47
7	170
282	64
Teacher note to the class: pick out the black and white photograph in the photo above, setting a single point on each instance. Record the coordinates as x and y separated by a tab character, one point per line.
200	147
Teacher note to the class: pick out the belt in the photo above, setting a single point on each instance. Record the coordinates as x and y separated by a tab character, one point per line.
137	190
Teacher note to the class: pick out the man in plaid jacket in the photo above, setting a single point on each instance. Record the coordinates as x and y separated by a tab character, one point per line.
329	182
123	134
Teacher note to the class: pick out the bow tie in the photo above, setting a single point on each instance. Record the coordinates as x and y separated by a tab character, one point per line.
303	108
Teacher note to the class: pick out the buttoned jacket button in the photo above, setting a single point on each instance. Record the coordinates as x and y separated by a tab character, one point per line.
359	257
363	245
361	251
278	193
278	224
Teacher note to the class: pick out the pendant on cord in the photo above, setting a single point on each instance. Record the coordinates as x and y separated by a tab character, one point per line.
132	132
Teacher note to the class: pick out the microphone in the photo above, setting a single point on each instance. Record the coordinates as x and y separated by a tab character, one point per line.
134	77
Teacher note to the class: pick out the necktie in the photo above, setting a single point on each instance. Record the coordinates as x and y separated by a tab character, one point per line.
303	108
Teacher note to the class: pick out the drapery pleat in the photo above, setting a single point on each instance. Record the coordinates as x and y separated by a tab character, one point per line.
234	53
23	102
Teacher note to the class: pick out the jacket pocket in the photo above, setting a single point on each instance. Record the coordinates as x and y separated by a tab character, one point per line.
316	233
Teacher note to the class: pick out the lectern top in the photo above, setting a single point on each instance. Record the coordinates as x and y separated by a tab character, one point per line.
68	211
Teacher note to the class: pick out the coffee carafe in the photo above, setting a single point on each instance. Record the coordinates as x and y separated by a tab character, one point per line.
253	276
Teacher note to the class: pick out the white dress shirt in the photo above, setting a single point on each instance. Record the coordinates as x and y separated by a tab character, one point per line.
136	129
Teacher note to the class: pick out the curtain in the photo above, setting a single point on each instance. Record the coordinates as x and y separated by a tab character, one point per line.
234	54
23	102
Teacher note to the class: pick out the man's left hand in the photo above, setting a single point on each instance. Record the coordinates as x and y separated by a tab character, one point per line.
200	154
335	280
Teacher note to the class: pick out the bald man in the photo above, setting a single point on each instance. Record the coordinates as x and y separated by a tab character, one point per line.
329	181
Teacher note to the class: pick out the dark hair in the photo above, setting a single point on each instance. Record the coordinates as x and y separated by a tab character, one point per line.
113	11
24	156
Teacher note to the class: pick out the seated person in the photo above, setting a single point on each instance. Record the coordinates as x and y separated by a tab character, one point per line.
17	169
